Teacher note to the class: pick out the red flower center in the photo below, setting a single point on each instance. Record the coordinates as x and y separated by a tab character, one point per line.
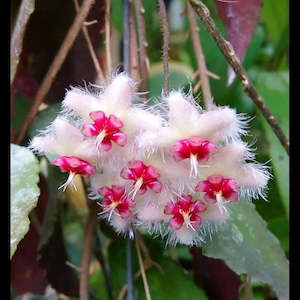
116	199
216	186
106	129
185	210
143	176
73	165
196	146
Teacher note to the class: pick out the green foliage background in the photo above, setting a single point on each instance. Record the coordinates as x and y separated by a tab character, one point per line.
267	64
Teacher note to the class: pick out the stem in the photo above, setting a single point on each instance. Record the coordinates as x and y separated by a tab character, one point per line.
129	269
107	37
138	250
165	31
194	29
91	49
134	64
126	64
143	44
126	36
55	66
86	256
228	52
16	44
99	255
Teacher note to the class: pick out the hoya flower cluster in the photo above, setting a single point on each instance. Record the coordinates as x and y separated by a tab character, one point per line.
170	168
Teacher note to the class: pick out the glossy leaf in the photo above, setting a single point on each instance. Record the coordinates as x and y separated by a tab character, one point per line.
24	192
247	246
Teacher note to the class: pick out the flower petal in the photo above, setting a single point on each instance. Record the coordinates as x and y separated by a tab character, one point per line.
176	222
119	138
89	130
155	185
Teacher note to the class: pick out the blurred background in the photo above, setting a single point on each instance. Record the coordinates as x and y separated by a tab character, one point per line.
38	268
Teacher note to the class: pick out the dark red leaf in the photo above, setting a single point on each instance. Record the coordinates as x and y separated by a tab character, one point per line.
26	272
53	258
240	18
213	275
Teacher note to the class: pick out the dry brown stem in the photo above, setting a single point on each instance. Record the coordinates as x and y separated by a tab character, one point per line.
56	65
228	52
194	30
99	71
165	32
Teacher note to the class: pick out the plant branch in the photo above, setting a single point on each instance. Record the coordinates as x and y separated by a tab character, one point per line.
228	52
107	37
99	255
194	29
16	43
147	265
87	246
143	44
126	67
142	269
165	31
126	36
55	66
90	47
134	64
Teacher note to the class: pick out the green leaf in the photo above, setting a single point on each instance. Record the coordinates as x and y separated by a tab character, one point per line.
274	88
172	283
24	177
247	246
275	17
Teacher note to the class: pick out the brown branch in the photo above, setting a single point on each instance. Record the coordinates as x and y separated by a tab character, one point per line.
147	265
87	247
134	64
90	46
194	29
56	65
142	269
107	37
228	52
143	44
16	44
165	32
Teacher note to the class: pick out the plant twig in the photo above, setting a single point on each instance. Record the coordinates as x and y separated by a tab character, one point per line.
126	67
107	37
126	36
147	265
143	44
194	29
90	46
165	31
56	65
16	43
228	52
134	64
86	256
129	268
142	269
99	255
